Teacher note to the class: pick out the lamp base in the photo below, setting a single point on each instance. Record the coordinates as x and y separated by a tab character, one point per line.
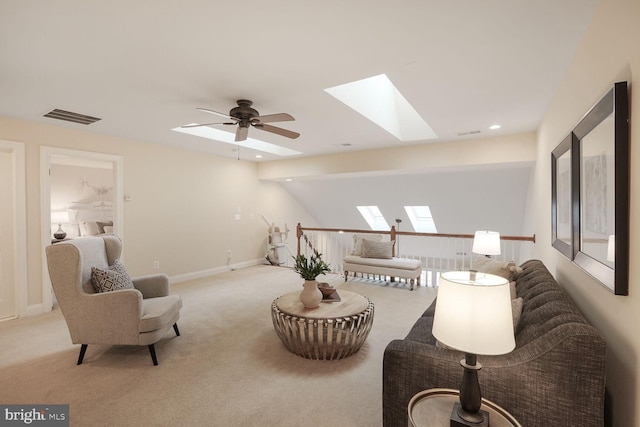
457	421
60	233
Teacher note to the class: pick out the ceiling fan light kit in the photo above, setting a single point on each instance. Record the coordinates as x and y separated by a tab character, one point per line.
244	116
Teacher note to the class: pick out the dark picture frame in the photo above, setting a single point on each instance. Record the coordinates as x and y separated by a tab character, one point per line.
600	153
563	217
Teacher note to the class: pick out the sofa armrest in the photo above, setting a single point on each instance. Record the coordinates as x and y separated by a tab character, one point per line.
152	286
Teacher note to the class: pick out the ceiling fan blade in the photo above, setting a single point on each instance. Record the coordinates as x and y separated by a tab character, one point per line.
206	110
280	117
241	133
207	124
277	130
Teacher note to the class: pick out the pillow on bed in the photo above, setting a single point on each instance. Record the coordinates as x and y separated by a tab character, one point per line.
89	228
108	229
383	250
102	224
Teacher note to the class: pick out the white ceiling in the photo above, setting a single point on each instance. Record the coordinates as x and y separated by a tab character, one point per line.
144	66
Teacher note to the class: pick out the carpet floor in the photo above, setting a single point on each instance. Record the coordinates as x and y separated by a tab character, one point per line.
228	367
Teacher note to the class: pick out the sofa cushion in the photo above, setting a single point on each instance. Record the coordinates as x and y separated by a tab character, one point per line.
102	224
545	305
397	263
516	312
157	312
381	250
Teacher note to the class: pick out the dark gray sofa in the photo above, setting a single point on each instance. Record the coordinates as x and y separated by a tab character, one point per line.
554	377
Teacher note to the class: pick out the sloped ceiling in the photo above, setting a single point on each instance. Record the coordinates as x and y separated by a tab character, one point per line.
144	66
462	200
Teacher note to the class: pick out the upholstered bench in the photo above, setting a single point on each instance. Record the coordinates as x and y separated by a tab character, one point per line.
371	255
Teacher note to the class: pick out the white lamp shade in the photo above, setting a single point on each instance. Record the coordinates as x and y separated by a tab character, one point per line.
474	316
486	243
611	249
59	217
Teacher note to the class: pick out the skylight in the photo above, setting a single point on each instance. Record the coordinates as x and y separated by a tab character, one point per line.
421	219
229	138
374	218
377	99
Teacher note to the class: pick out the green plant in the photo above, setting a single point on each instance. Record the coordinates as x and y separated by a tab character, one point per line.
310	268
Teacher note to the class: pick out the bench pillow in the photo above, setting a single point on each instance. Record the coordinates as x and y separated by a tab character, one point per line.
357	242
382	250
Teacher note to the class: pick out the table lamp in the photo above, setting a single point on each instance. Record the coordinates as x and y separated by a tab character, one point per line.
486	243
59	217
473	316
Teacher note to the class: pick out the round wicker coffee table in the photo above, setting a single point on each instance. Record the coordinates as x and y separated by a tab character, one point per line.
334	330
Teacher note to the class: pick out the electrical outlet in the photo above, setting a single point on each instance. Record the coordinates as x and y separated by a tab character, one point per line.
156	265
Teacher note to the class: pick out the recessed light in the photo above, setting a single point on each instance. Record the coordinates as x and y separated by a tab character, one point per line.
258	156
288	180
494	127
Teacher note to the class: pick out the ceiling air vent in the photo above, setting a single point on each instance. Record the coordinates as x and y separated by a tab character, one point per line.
471	132
71	117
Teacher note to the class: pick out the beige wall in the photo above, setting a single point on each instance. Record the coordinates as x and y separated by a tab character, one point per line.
608	53
184	209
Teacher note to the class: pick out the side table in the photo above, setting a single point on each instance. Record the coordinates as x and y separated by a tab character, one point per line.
432	408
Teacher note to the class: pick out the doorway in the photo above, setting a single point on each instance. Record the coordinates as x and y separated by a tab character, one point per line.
82	194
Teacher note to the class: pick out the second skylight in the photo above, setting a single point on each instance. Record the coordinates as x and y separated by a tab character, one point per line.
377	99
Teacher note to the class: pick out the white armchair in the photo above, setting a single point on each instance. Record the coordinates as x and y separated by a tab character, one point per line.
139	316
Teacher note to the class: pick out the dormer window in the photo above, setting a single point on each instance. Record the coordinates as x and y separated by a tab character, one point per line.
374	218
421	219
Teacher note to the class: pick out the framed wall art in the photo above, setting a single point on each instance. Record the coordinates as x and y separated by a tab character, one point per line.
598	170
562	213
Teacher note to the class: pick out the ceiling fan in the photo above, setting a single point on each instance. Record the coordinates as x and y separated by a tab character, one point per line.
244	116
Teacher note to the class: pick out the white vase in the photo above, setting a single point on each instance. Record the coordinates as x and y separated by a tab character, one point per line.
310	295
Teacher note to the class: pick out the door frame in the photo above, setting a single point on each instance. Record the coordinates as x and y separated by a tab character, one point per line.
17	151
45	202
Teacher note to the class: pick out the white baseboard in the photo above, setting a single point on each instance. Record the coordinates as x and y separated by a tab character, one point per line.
35	309
213	271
